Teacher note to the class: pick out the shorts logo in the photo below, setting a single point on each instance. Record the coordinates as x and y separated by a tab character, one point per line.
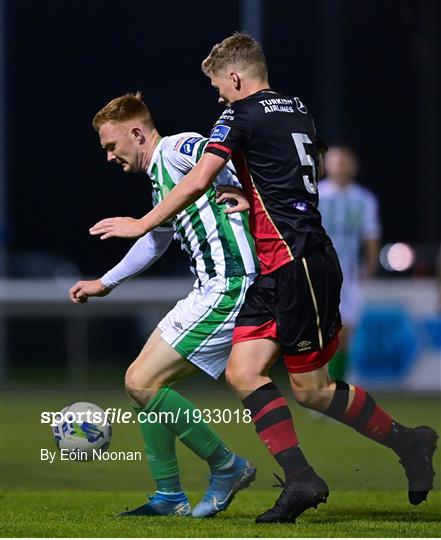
187	146
177	325
304	345
219	133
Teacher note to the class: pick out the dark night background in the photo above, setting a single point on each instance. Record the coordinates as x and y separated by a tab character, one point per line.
369	71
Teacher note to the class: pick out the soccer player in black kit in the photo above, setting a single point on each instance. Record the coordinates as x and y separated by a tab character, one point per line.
292	307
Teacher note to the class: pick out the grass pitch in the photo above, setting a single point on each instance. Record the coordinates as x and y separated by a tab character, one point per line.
70	499
90	514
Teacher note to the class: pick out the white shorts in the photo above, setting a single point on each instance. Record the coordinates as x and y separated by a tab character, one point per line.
200	327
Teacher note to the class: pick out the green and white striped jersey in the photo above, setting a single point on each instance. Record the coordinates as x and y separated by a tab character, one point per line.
218	244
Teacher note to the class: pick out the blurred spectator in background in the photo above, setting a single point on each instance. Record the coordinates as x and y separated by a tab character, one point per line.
350	217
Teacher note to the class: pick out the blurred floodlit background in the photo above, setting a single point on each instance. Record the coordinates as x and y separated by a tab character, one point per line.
369	71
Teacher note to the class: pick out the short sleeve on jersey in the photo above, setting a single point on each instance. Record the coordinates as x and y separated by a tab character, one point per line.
184	150
230	133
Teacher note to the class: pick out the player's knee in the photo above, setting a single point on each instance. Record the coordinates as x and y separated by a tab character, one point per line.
138	389
239	376
231	375
316	398
305	397
130	380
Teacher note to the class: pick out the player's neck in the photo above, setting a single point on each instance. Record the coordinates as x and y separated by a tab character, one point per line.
250	87
151	143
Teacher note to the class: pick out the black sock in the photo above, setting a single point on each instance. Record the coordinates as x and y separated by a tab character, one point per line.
399	439
273	421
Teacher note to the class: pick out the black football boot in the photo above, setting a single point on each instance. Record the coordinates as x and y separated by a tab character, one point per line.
305	491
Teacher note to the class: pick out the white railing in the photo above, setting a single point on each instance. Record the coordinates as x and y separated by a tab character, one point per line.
48	298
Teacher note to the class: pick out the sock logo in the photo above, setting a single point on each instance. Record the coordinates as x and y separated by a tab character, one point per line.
266	442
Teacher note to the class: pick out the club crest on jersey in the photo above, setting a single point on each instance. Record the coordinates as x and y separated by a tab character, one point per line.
300	107
219	133
187	146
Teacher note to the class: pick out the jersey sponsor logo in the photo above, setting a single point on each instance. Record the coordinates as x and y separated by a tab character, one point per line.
219	133
228	114
277	105
187	145
300	106
178	143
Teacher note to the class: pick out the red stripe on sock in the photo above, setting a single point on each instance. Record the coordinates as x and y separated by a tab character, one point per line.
278	402
379	425
357	404
279	437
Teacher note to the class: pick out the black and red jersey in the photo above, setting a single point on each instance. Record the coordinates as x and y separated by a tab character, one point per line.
273	144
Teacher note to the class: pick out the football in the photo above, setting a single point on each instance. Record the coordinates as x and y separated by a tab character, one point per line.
81	431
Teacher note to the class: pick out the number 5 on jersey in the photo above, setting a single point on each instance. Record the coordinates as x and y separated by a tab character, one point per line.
310	179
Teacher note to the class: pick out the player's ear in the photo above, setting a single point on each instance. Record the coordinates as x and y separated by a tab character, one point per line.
137	135
235	79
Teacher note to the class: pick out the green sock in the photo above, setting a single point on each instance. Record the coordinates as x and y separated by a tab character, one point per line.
337	366
197	436
169	485
160	450
221	458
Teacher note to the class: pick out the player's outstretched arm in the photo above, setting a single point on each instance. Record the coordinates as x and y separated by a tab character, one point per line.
188	191
146	251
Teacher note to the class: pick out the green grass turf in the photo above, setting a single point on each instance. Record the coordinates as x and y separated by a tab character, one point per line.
90	514
368	487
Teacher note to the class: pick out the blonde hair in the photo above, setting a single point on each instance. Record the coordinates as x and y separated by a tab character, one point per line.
121	109
241	50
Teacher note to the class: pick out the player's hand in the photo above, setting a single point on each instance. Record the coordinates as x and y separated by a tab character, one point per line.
234	196
82	290
119	227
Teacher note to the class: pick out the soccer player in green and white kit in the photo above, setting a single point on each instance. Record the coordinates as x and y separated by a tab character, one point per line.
196	334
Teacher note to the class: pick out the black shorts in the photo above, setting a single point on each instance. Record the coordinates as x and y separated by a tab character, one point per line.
297	305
